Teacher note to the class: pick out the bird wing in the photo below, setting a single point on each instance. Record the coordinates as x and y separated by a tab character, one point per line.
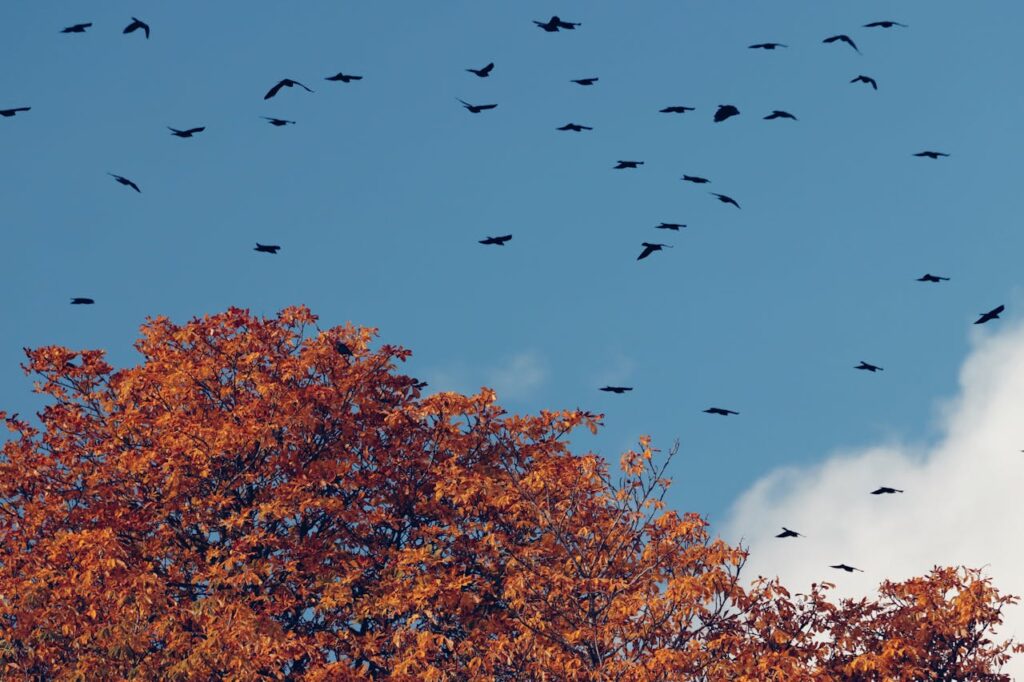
274	90
849	40
487	106
488	68
192	131
648	250
307	89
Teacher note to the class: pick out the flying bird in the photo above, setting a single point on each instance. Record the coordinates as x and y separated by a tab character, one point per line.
787	533
885	490
477	108
695	178
675	110
650	248
844	38
766	46
186	133
575	127
884	24
779	114
126	182
285	83
136	25
278	121
585	81
866	79
8	113
484	72
616	389
725	111
82	301
344	78
725	199
869	367
844	567
990	315
720	411
669	226
628	164
554	23
931	155
928	277
77	28
497	241
267	248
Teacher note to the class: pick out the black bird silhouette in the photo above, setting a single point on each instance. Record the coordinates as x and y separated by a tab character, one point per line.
7	113
278	121
931	155
675	110
928	277
585	81
616	389
136	25
779	114
868	366
650	248
77	28
81	300
787	533
477	108
267	248
721	411
725	111
844	567
669	226
885	490
554	23
126	182
342	348
575	127
498	241
285	83
844	38
884	24
725	199
695	178
484	72
628	164
344	78
990	315
866	79
186	133
766	46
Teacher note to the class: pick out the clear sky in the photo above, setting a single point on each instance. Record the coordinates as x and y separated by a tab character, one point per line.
379	194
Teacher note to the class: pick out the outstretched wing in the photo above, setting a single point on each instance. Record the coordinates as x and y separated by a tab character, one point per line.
274	90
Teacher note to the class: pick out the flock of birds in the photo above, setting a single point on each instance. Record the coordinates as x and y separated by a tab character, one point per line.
554	25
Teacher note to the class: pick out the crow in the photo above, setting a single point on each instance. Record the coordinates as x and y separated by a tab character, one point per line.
497	241
484	72
278	121
766	46
844	38
285	83
628	164
675	110
869	367
725	199
8	113
267	248
885	490
616	389
650	248
342	348
136	25
554	23
186	133
928	277
787	533
696	179
720	411
844	567
126	182
585	81
884	24
477	108
779	114
866	79
575	127
725	111
344	78
77	28
931	155
669	226
82	301
990	315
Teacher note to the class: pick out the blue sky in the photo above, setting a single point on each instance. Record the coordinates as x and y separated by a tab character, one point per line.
380	192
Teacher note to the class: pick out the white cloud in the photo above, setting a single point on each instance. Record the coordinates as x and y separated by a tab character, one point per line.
518	377
963	505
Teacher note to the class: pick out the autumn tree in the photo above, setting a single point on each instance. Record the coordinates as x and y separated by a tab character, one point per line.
263	499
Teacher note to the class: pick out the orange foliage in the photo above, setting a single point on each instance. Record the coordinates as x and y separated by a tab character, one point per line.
249	503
